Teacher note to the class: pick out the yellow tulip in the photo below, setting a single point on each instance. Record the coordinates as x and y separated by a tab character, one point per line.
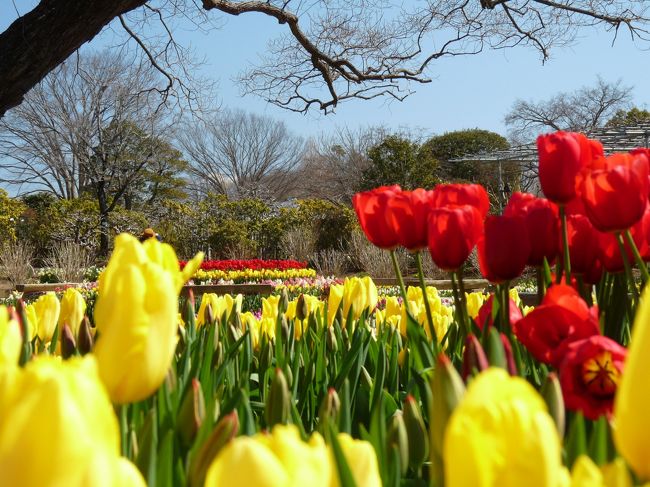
270	307
46	312
501	435
474	303
58	428
585	473
11	339
362	461
442	315
334	302
632	403
219	305
32	322
280	458
73	309
137	317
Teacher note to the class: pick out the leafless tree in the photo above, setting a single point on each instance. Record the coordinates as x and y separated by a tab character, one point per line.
332	50
241	155
90	126
334	163
581	110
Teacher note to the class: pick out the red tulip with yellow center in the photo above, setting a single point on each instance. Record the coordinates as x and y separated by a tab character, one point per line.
590	373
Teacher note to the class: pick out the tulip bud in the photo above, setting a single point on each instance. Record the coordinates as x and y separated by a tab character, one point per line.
552	394
235	333
496	355
418	436
346	338
171	379
284	326
191	413
474	359
68	345
85	338
301	308
235	320
278	402
209	314
283	304
510	358
329	410
217	357
398	438
447	389
332	344
225	430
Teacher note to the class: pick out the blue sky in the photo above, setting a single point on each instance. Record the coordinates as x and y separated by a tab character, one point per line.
466	92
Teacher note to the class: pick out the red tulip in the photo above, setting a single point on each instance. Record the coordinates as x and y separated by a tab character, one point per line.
583	245
589	375
474	358
562	318
406	214
453	233
543	225
615	191
562	155
609	251
485	313
504	249
370	207
462	194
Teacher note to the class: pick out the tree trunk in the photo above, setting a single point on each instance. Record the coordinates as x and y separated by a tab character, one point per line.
42	39
103	219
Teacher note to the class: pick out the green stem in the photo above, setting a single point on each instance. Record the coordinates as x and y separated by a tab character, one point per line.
427	307
637	256
400	280
460	314
505	301
124	429
565	245
626	265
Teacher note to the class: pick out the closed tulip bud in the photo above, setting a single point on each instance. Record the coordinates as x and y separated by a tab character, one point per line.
278	401
494	351
283	304
332	344
447	390
137	316
474	359
217	357
551	392
398	439
225	430
284	326
329	409
234	332
68	345
510	357
11	340
209	314
84	338
73	310
171	380
191	413
301	308
418	436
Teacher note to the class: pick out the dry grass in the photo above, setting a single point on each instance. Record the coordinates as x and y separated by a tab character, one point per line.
373	260
16	262
70	261
299	243
330	262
